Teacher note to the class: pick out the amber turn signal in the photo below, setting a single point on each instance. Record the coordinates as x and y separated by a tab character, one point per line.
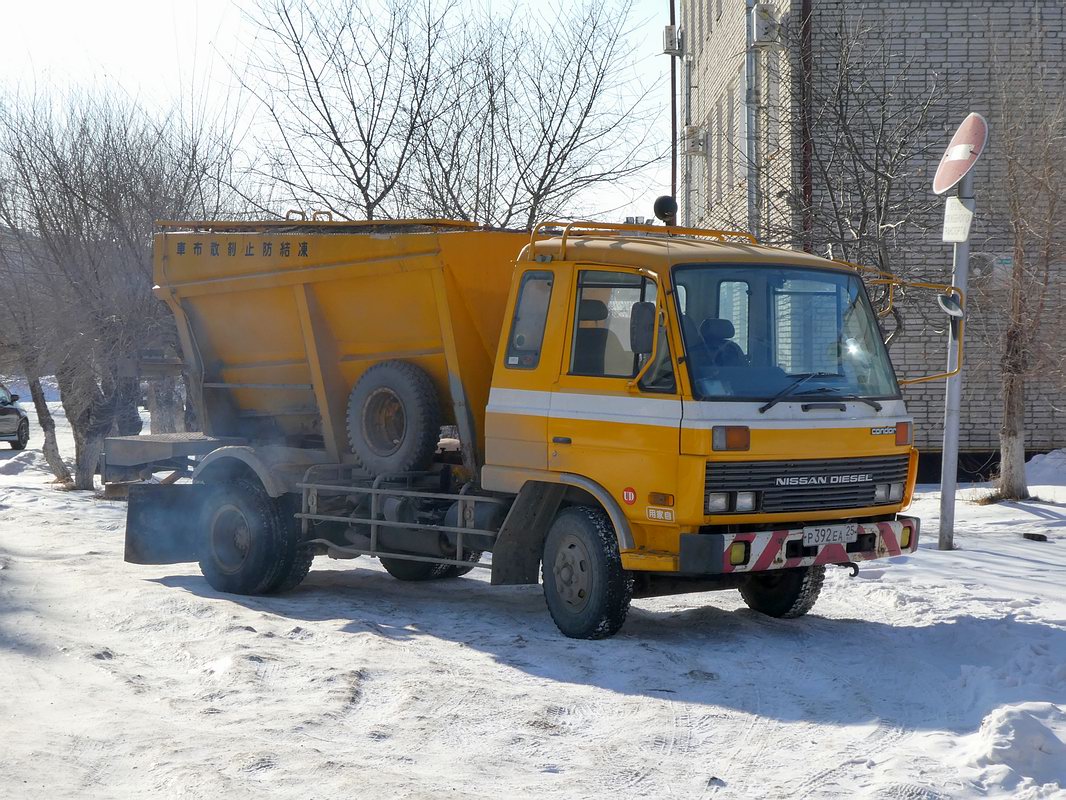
660	499
903	434
731	437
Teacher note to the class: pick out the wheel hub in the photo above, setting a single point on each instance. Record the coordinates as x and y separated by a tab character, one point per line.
384	422
573	578
231	538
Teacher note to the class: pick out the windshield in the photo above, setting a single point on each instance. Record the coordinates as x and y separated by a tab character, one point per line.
751	333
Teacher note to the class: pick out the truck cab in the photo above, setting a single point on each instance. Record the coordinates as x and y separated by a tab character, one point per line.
735	402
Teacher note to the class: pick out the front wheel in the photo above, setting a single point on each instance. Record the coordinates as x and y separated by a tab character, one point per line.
248	543
786	593
585	587
22	436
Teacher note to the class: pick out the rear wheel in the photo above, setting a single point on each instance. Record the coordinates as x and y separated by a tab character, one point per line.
786	593
585	587
404	570
22	436
248	544
452	571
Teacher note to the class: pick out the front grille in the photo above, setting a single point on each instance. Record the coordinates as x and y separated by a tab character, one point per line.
763	477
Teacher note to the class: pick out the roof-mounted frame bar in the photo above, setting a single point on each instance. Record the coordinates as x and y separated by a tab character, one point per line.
586	228
315	222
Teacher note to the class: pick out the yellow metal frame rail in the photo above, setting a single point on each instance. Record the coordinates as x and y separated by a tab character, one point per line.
251	225
587	228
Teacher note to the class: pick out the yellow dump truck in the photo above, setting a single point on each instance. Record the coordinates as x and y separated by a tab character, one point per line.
617	411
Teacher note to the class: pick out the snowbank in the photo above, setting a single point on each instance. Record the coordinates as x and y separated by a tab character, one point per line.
1048	469
1020	747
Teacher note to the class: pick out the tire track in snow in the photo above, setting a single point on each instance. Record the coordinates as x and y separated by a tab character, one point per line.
859	751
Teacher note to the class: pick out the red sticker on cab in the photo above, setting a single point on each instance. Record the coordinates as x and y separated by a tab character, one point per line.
629	495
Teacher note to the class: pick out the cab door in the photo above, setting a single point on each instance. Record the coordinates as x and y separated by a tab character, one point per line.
603	423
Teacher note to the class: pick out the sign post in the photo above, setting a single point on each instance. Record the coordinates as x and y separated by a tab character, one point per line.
956	169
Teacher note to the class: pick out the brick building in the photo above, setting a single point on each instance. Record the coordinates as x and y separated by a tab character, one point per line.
764	128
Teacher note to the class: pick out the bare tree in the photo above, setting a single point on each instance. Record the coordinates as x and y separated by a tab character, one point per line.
415	109
86	176
343	85
21	334
871	122
529	116
868	120
1023	320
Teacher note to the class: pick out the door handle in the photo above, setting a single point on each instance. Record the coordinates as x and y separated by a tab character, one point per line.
561	440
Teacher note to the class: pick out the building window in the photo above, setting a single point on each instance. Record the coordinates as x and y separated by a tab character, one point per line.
733	306
731	133
701	30
773	104
719	151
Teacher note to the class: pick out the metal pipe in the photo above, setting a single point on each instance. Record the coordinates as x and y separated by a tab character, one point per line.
673	112
806	105
751	91
688	121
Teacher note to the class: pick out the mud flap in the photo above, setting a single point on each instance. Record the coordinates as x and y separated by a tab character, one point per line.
162	522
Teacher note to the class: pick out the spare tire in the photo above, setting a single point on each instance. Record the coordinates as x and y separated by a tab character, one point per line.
394	418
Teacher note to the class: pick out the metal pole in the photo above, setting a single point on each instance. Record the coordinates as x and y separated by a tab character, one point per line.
953	391
673	113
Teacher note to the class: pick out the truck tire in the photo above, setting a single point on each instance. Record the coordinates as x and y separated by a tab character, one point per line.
403	570
452	571
248	545
585	587
394	418
786	593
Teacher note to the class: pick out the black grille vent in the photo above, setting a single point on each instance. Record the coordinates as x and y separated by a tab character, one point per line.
762	477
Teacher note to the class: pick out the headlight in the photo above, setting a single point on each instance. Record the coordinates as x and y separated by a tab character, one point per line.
888	493
745	501
717	502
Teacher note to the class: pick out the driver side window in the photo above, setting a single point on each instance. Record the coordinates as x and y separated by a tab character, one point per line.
5	396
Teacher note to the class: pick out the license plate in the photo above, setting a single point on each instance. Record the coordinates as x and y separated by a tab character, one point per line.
830	534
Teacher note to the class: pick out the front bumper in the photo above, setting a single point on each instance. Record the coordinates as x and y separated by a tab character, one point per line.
708	553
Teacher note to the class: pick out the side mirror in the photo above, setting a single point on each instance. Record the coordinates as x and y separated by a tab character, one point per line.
950	305
642	328
14	398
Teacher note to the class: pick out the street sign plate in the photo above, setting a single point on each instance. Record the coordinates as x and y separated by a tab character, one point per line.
958	214
965	148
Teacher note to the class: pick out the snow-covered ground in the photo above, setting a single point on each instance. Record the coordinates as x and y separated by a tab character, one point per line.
941	675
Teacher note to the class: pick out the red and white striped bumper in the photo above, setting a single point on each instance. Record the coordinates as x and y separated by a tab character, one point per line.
709	553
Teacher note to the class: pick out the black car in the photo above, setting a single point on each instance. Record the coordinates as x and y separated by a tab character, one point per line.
14	422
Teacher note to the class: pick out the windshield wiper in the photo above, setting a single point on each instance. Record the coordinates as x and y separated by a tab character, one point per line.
777	398
836	393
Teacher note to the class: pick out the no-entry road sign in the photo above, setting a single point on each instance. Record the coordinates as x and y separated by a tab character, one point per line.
965	148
